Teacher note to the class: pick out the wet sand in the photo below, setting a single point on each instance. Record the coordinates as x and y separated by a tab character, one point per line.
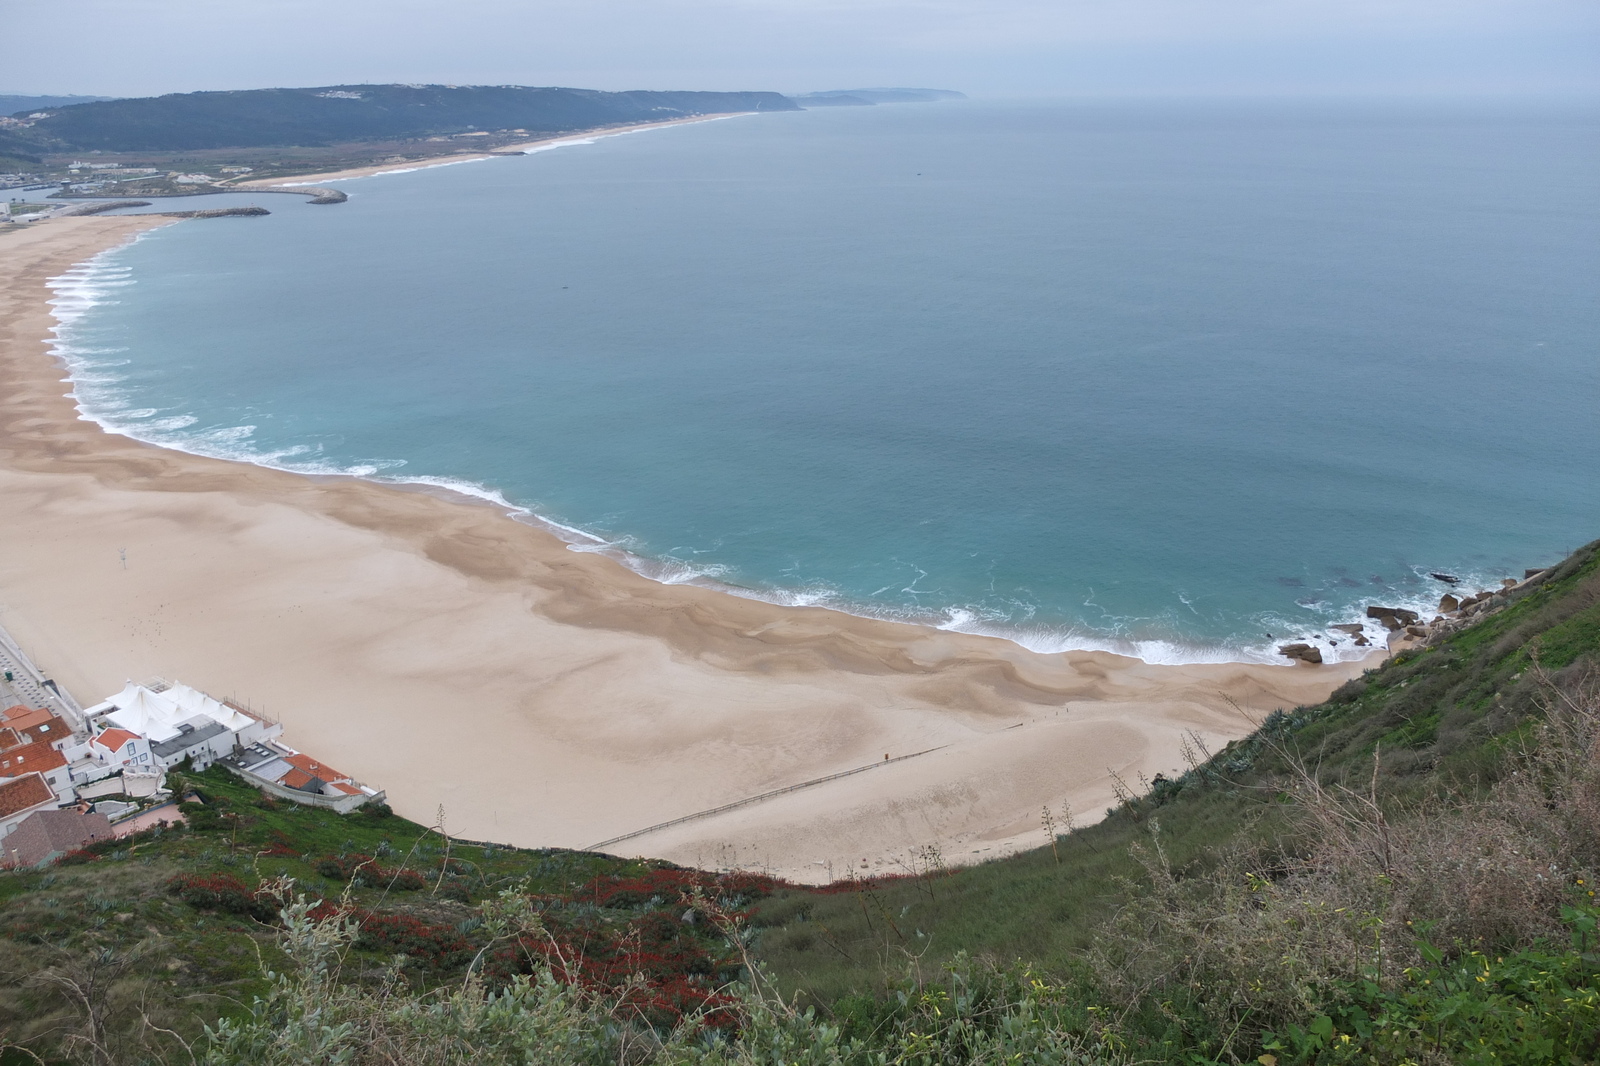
539	696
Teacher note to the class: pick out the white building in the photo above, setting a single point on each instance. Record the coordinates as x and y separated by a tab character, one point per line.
175	722
118	749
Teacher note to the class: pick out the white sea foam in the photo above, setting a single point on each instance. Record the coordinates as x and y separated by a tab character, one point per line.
558	144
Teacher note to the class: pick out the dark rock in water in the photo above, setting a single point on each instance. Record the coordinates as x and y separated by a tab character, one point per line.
1448	603
1393	617
1508	582
1362	642
1304	653
1526	574
1448	579
1355	629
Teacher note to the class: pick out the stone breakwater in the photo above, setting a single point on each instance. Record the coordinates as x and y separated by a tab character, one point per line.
319	194
218	212
100	208
1405	628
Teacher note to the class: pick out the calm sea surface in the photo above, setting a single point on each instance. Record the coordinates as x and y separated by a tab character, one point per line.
1166	378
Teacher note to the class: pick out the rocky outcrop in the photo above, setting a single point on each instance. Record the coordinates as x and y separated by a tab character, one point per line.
1357	631
1393	618
1455	612
1305	653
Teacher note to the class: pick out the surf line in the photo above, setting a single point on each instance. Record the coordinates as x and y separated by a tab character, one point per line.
748	800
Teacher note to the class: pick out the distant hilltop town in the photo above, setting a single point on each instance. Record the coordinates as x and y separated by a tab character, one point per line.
70	776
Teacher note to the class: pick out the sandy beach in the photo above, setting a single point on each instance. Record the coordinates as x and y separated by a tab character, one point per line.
469	156
540	696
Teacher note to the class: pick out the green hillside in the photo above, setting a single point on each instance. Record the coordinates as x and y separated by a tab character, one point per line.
1431	723
1403	874
255	118
11	103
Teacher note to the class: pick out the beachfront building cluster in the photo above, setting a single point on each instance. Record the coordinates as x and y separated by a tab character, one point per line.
50	770
156	725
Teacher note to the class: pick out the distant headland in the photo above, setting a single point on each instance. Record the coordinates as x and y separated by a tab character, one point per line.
188	143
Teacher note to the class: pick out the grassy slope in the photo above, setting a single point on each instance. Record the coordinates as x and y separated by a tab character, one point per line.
1438	717
195	965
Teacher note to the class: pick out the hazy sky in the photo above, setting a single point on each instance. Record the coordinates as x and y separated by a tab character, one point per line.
994	47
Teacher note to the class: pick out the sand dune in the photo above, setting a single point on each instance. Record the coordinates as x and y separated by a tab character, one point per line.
541	696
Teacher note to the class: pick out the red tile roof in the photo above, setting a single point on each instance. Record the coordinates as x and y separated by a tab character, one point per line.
114	739
38	756
347	789
17	795
295	779
50	729
26	718
315	769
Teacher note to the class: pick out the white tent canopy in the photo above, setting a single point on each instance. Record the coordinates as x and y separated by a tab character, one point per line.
157	715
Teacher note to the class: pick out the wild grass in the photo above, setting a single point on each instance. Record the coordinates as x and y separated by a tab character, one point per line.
1440	726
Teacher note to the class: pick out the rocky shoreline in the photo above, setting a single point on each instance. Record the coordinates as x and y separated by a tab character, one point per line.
1404	629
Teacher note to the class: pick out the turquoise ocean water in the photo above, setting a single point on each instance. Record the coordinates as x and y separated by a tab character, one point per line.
1162	378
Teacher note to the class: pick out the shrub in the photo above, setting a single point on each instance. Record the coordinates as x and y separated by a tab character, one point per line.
1533	1007
434	947
200	816
1227	956
364	871
221	892
669	885
974	1015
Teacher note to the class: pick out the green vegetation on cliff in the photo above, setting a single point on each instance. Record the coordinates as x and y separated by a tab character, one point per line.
185	122
1402	874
